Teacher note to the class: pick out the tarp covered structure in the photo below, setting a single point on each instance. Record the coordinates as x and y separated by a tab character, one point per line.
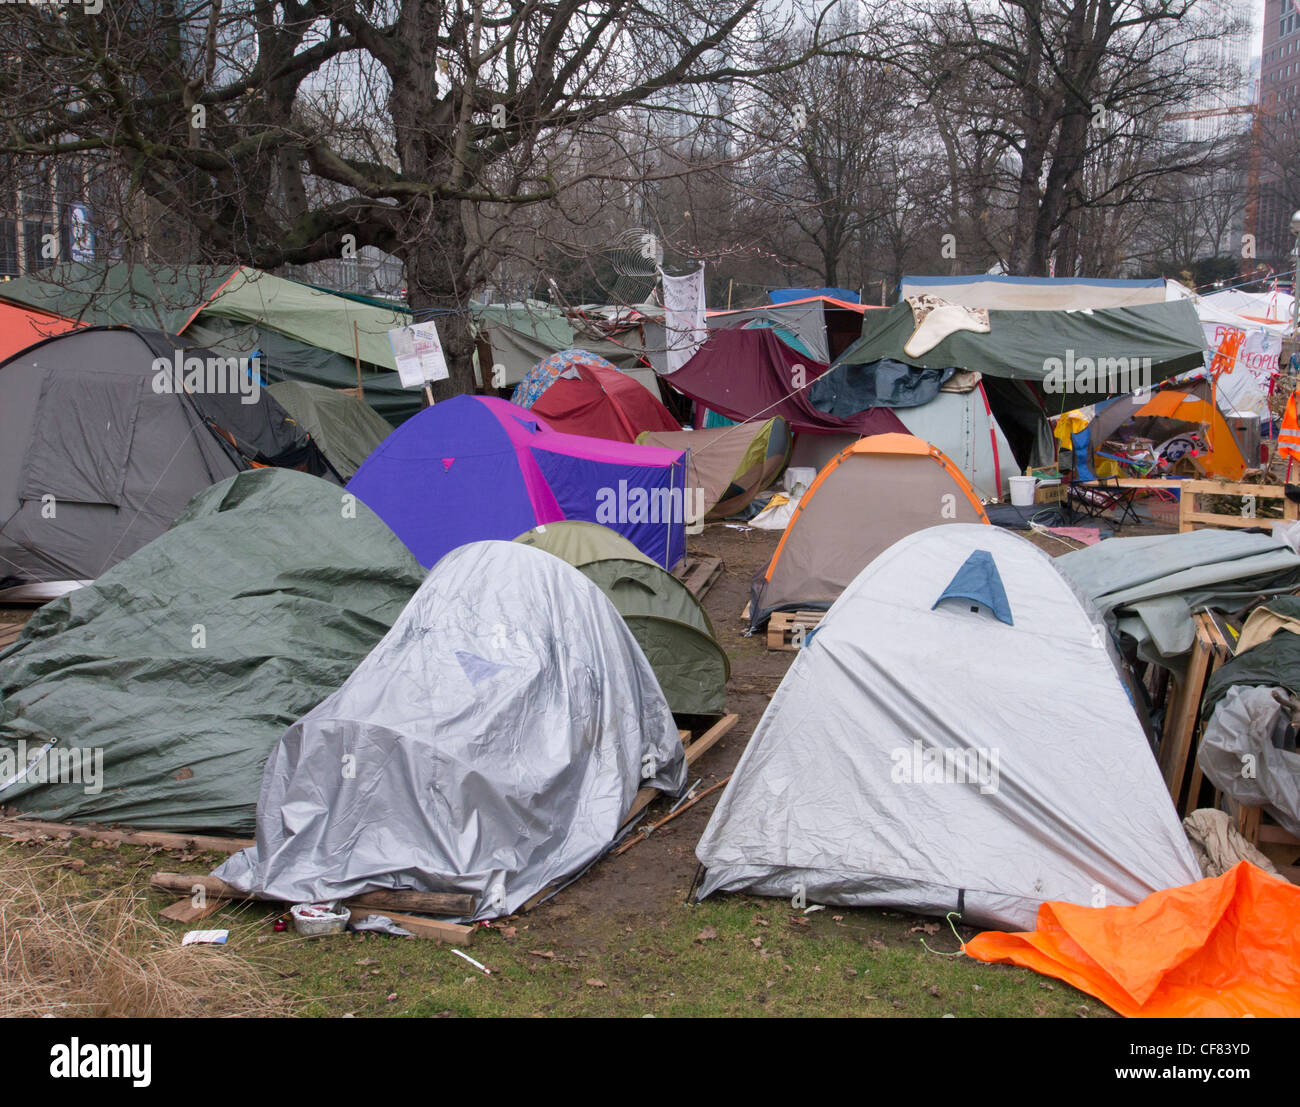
1076	356
185	662
1226	947
751	374
96	460
867	497
515	337
952	737
728	465
1147	588
667	620
1007	293
499	736
577	392
344	429
298	331
478	467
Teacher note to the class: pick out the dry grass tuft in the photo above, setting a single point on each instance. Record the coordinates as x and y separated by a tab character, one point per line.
108	957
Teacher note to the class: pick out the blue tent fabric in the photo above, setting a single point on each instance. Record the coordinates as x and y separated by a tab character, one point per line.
785	295
978	580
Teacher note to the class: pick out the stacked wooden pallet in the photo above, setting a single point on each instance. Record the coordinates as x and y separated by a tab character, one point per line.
788	630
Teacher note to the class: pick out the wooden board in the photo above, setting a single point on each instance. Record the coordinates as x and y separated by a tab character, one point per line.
786	630
197	843
1189	517
1177	753
694	751
699	573
429	903
453	933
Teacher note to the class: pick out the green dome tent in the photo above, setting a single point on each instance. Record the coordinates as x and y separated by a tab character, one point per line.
344	428
667	621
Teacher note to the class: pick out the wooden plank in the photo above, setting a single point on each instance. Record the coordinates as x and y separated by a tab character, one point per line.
430	903
197	843
699	574
184	910
453	933
1210	518
1181	723
1227	488
694	752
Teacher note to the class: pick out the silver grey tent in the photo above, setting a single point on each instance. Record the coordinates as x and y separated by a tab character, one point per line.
954	737
491	743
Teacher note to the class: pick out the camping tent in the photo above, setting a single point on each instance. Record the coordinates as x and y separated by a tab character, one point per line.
1178	419
870	495
579	393
667	620
952	738
728	466
298	331
99	452
476	467
498	735
183	664
344	429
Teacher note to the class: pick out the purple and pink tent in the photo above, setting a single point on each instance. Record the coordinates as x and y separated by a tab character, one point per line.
476	467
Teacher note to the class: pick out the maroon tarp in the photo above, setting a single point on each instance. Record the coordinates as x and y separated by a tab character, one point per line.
752	374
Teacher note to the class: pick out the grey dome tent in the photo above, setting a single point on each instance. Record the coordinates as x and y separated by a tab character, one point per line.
665	617
95	462
184	663
954	737
496	739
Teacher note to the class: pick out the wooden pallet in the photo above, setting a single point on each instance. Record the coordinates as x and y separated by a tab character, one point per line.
699	574
1189	517
787	630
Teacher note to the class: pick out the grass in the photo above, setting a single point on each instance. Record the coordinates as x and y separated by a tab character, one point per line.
730	956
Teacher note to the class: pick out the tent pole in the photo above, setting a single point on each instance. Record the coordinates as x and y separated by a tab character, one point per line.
356	346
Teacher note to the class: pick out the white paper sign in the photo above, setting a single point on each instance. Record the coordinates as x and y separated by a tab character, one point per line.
1245	388
418	353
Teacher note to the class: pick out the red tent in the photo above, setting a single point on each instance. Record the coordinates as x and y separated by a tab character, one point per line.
21	327
591	397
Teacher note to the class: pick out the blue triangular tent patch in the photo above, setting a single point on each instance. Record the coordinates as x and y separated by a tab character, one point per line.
978	580
530	425
478	669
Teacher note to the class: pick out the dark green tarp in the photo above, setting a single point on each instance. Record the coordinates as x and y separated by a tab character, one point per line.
344	429
1022	345
1273	663
186	662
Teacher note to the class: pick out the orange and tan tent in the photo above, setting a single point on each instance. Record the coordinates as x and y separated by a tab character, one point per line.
21	327
872	493
1223	947
1224	458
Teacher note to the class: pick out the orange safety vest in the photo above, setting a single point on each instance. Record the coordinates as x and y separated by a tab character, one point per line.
1288	438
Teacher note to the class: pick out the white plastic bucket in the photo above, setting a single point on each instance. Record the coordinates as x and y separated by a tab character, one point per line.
1022	490
799	474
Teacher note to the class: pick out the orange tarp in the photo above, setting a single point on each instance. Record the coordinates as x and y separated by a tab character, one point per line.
21	327
1226	946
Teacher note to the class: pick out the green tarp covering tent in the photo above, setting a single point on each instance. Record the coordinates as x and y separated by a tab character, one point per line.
1028	346
302	332
344	429
1148	588
183	665
520	335
663	615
